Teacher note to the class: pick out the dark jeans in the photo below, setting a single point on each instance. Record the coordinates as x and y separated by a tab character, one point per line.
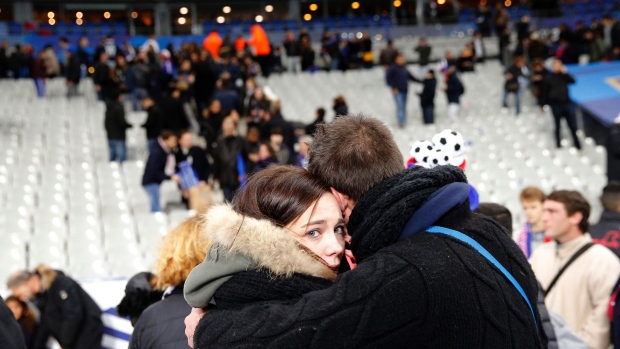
118	150
566	111
401	106
517	94
39	83
228	193
428	114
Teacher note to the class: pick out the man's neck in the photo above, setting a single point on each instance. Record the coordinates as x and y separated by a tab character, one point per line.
574	234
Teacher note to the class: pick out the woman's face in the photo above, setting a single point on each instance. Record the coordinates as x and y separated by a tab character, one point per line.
321	229
263	152
16	308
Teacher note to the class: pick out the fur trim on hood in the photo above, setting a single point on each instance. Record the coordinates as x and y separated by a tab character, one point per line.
47	274
270	246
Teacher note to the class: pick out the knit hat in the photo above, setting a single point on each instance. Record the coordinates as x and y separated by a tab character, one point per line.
420	152
445	148
453	145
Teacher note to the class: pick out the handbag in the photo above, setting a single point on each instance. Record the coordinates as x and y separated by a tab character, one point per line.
512	85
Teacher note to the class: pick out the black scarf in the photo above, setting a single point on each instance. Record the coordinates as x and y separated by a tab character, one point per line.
261	286
381	214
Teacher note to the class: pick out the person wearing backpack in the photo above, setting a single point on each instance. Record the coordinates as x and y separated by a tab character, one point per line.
577	275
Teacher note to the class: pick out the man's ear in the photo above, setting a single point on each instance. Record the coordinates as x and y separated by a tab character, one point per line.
576	218
341	198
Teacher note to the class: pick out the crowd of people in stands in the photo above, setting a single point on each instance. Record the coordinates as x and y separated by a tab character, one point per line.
384	246
525	67
216	280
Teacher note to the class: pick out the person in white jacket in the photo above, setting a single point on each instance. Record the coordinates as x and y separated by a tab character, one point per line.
581	294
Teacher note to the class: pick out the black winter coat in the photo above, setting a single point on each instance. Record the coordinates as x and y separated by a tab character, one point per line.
454	88
513	83
613	153
425	291
103	78
174	115
427	96
161	325
67	313
225	160
154	122
10	333
115	123
74	71
197	157
155	169
555	88
425	54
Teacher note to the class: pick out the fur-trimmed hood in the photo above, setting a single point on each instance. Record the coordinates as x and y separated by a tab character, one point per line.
47	274
271	247
243	244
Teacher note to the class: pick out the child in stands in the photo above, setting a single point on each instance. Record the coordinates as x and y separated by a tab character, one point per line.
532	233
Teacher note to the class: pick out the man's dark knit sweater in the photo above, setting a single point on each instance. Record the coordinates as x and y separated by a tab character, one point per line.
426	291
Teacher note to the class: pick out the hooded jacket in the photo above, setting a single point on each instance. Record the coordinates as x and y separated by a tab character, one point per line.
251	260
424	291
67	312
161	325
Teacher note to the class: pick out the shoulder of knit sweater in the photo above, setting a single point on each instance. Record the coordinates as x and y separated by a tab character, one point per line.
271	247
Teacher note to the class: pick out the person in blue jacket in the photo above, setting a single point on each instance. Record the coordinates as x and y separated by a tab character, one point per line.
397	77
160	167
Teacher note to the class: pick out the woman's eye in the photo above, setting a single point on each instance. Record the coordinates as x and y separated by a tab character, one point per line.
312	233
339	230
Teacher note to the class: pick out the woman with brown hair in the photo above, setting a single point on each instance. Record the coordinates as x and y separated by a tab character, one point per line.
25	318
161	324
284	236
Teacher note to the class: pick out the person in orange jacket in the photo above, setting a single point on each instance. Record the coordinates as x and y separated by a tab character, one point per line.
262	48
239	43
212	43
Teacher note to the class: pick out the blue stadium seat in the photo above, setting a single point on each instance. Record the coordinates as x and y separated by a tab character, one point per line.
15	28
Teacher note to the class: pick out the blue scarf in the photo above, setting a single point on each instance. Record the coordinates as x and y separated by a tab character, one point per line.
438	204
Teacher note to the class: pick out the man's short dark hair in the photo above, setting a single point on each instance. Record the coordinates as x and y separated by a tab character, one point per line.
165	134
573	202
64	39
352	154
611	196
498	213
321	113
